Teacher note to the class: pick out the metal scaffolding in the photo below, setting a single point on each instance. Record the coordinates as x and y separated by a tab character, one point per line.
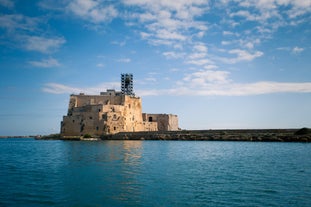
127	84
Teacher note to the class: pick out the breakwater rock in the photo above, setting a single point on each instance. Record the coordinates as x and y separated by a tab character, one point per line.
264	135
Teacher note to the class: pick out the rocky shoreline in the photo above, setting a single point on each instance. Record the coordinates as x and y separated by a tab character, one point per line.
256	135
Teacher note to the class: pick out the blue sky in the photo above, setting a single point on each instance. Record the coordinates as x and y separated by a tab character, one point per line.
216	64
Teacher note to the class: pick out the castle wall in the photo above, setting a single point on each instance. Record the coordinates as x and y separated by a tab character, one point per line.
108	113
165	122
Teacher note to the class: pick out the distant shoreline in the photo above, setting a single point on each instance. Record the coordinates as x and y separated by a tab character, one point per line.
16	137
255	135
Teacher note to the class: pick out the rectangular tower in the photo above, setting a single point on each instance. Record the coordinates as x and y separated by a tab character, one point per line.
127	84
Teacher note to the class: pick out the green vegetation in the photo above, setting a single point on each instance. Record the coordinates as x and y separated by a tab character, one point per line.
87	136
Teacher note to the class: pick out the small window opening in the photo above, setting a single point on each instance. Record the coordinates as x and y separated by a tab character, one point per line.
150	119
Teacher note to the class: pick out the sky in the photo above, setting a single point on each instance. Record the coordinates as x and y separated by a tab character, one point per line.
225	64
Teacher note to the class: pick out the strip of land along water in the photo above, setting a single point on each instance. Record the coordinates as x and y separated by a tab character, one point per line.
263	135
272	135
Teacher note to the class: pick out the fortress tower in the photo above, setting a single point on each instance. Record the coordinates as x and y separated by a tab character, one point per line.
112	112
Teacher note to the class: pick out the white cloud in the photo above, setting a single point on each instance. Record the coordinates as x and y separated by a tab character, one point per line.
198	55
56	88
45	63
201	88
226	42
124	60
17	23
26	32
7	3
209	67
241	55
204	77
199	83
173	55
43	44
165	34
100	65
167	22
229	33
294	50
120	43
297	50
200	47
93	10
200	62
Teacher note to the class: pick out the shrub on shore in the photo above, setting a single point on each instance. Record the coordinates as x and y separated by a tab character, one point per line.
87	136
303	131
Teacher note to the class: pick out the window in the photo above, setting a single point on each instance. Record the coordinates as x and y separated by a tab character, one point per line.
91	117
104	117
150	119
114	128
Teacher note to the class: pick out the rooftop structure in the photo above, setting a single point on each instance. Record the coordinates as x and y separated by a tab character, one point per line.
127	84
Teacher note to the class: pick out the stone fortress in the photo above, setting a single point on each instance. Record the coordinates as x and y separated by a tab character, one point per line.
112	112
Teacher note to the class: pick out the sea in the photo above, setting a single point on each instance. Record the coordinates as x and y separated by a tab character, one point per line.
154	173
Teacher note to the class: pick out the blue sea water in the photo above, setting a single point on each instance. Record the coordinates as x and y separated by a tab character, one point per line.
154	173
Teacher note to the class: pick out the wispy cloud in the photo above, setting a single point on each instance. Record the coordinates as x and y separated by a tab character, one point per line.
232	89
167	22
93	10
124	60
204	83
45	63
7	3
18	23
297	50
21	31
173	55
240	55
43	44
57	88
100	65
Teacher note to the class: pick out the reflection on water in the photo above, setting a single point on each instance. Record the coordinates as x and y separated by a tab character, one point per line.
154	173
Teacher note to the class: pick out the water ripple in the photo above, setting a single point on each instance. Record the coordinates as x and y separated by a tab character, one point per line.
154	173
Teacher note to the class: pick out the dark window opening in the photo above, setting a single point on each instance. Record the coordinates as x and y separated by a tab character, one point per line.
104	117
91	117
150	119
114	128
